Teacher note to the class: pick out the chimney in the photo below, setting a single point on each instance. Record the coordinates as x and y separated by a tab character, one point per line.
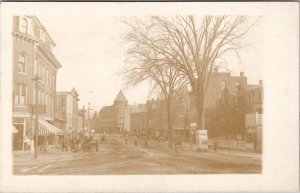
260	82
241	74
216	70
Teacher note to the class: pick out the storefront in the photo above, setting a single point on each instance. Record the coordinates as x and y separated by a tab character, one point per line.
19	135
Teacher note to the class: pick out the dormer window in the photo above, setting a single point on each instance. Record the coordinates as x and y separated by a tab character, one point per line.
23	26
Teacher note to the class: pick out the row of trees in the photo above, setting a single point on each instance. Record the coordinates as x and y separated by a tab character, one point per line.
180	51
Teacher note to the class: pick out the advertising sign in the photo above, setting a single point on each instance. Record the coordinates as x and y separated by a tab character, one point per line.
202	139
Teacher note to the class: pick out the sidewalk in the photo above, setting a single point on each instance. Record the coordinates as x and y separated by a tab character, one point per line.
237	153
27	158
190	148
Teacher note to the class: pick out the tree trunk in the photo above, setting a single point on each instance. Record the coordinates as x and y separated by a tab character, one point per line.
169	118
199	100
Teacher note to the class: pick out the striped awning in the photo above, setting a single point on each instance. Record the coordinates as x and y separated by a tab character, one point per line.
46	128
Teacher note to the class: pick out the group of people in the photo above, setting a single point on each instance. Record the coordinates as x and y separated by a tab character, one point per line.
77	144
136	140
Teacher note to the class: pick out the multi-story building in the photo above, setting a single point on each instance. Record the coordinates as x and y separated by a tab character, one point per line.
67	111
33	57
254	115
184	114
114	118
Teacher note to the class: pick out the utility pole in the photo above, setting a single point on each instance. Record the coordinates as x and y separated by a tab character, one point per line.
83	117
36	130
90	118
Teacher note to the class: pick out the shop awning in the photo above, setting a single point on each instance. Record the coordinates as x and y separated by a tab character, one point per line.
46	128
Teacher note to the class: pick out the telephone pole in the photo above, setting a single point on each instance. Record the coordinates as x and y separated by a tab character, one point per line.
36	130
83	117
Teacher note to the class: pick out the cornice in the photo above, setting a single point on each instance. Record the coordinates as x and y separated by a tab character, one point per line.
25	37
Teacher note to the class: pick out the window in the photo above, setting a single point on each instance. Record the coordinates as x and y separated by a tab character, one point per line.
21	95
34	96
50	80
40	69
23	26
43	74
42	98
46	79
259	110
35	68
39	97
62	102
22	63
46	103
259	96
238	84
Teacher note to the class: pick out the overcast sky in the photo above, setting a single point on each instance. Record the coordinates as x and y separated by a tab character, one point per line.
90	50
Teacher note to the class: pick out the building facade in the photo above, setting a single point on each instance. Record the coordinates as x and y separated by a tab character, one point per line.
153	122
66	116
114	118
33	57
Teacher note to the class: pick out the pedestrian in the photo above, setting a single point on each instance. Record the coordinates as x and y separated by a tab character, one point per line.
63	145
97	145
215	145
79	147
126	140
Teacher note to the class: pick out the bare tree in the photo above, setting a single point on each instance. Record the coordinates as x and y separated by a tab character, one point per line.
146	63
194	49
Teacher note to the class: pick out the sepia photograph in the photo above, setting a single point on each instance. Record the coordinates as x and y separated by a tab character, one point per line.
102	92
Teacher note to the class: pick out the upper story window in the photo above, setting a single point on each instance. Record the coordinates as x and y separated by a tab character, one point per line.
22	63
24	25
62	102
21	95
238	84
259	97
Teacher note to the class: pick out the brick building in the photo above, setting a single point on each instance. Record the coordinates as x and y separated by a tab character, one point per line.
33	56
153	122
114	118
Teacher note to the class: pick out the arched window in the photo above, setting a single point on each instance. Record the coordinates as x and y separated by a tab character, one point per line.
23	26
22	63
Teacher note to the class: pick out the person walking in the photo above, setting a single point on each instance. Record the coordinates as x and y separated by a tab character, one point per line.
62	145
135	141
215	145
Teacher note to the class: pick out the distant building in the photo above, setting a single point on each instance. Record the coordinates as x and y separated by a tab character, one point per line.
114	118
33	56
67	111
